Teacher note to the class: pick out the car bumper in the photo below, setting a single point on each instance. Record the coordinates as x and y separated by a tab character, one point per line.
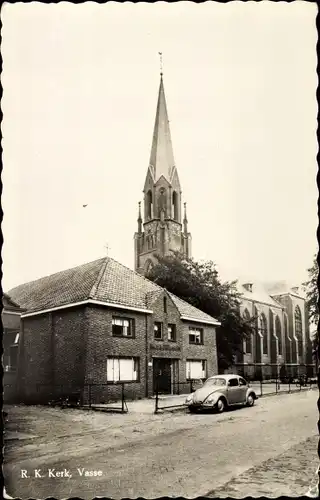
200	405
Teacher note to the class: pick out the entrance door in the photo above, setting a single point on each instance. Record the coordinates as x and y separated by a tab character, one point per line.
162	375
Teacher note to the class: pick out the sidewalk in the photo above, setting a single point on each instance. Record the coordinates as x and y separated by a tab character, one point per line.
147	405
290	474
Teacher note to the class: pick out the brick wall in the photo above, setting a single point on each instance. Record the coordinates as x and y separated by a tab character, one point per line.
11	326
69	345
10	321
180	350
163	348
35	356
101	345
51	353
69	349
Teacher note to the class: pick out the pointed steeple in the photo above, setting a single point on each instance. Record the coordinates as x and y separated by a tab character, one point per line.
161	158
162	230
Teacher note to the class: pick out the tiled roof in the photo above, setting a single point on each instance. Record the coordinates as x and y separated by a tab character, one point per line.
104	280
64	287
189	311
10	304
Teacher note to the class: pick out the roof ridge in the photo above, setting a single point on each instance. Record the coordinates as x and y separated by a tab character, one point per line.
137	274
96	284
161	288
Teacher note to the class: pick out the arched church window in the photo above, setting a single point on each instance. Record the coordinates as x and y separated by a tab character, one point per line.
248	340
149	204
298	328
175	205
264	333
279	335
285	323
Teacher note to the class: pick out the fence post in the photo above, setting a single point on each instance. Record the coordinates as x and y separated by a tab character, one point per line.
261	386
122	397
289	385
190	385
157	398
89	394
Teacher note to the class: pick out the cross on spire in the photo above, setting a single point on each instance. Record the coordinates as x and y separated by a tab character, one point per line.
107	249
161	65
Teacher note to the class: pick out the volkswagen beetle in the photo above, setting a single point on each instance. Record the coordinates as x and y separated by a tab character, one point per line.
219	392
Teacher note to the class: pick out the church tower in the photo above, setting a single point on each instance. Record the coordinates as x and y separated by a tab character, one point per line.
162	228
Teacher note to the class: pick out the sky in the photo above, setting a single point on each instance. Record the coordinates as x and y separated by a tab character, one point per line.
80	90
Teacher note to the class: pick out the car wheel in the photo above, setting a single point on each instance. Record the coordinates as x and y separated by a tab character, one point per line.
250	400
192	409
220	406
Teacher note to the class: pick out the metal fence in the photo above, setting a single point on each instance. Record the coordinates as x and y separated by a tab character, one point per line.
177	398
270	387
107	397
270	371
262	388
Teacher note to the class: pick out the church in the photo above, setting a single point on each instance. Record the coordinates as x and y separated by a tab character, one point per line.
163	228
282	338
103	323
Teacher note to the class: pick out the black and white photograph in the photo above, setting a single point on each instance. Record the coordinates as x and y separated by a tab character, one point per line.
160	254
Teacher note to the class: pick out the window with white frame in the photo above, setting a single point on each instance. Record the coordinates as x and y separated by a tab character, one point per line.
196	369
122	327
157	329
195	335
122	369
172	335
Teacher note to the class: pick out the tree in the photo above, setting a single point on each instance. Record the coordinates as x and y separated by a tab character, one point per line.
198	283
312	292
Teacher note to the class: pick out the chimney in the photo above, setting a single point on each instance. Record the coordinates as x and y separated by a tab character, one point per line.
248	286
295	289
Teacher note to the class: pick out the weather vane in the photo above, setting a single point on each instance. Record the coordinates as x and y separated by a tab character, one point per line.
161	67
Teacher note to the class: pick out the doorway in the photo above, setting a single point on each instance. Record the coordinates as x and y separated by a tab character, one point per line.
162	375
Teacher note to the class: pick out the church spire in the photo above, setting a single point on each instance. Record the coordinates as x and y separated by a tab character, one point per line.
161	157
162	230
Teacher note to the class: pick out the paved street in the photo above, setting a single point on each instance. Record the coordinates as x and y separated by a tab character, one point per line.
176	454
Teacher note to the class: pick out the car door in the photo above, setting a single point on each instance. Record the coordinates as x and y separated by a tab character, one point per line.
234	391
243	388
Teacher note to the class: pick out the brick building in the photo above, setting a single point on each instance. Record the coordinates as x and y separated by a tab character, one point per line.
281	342
102	322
